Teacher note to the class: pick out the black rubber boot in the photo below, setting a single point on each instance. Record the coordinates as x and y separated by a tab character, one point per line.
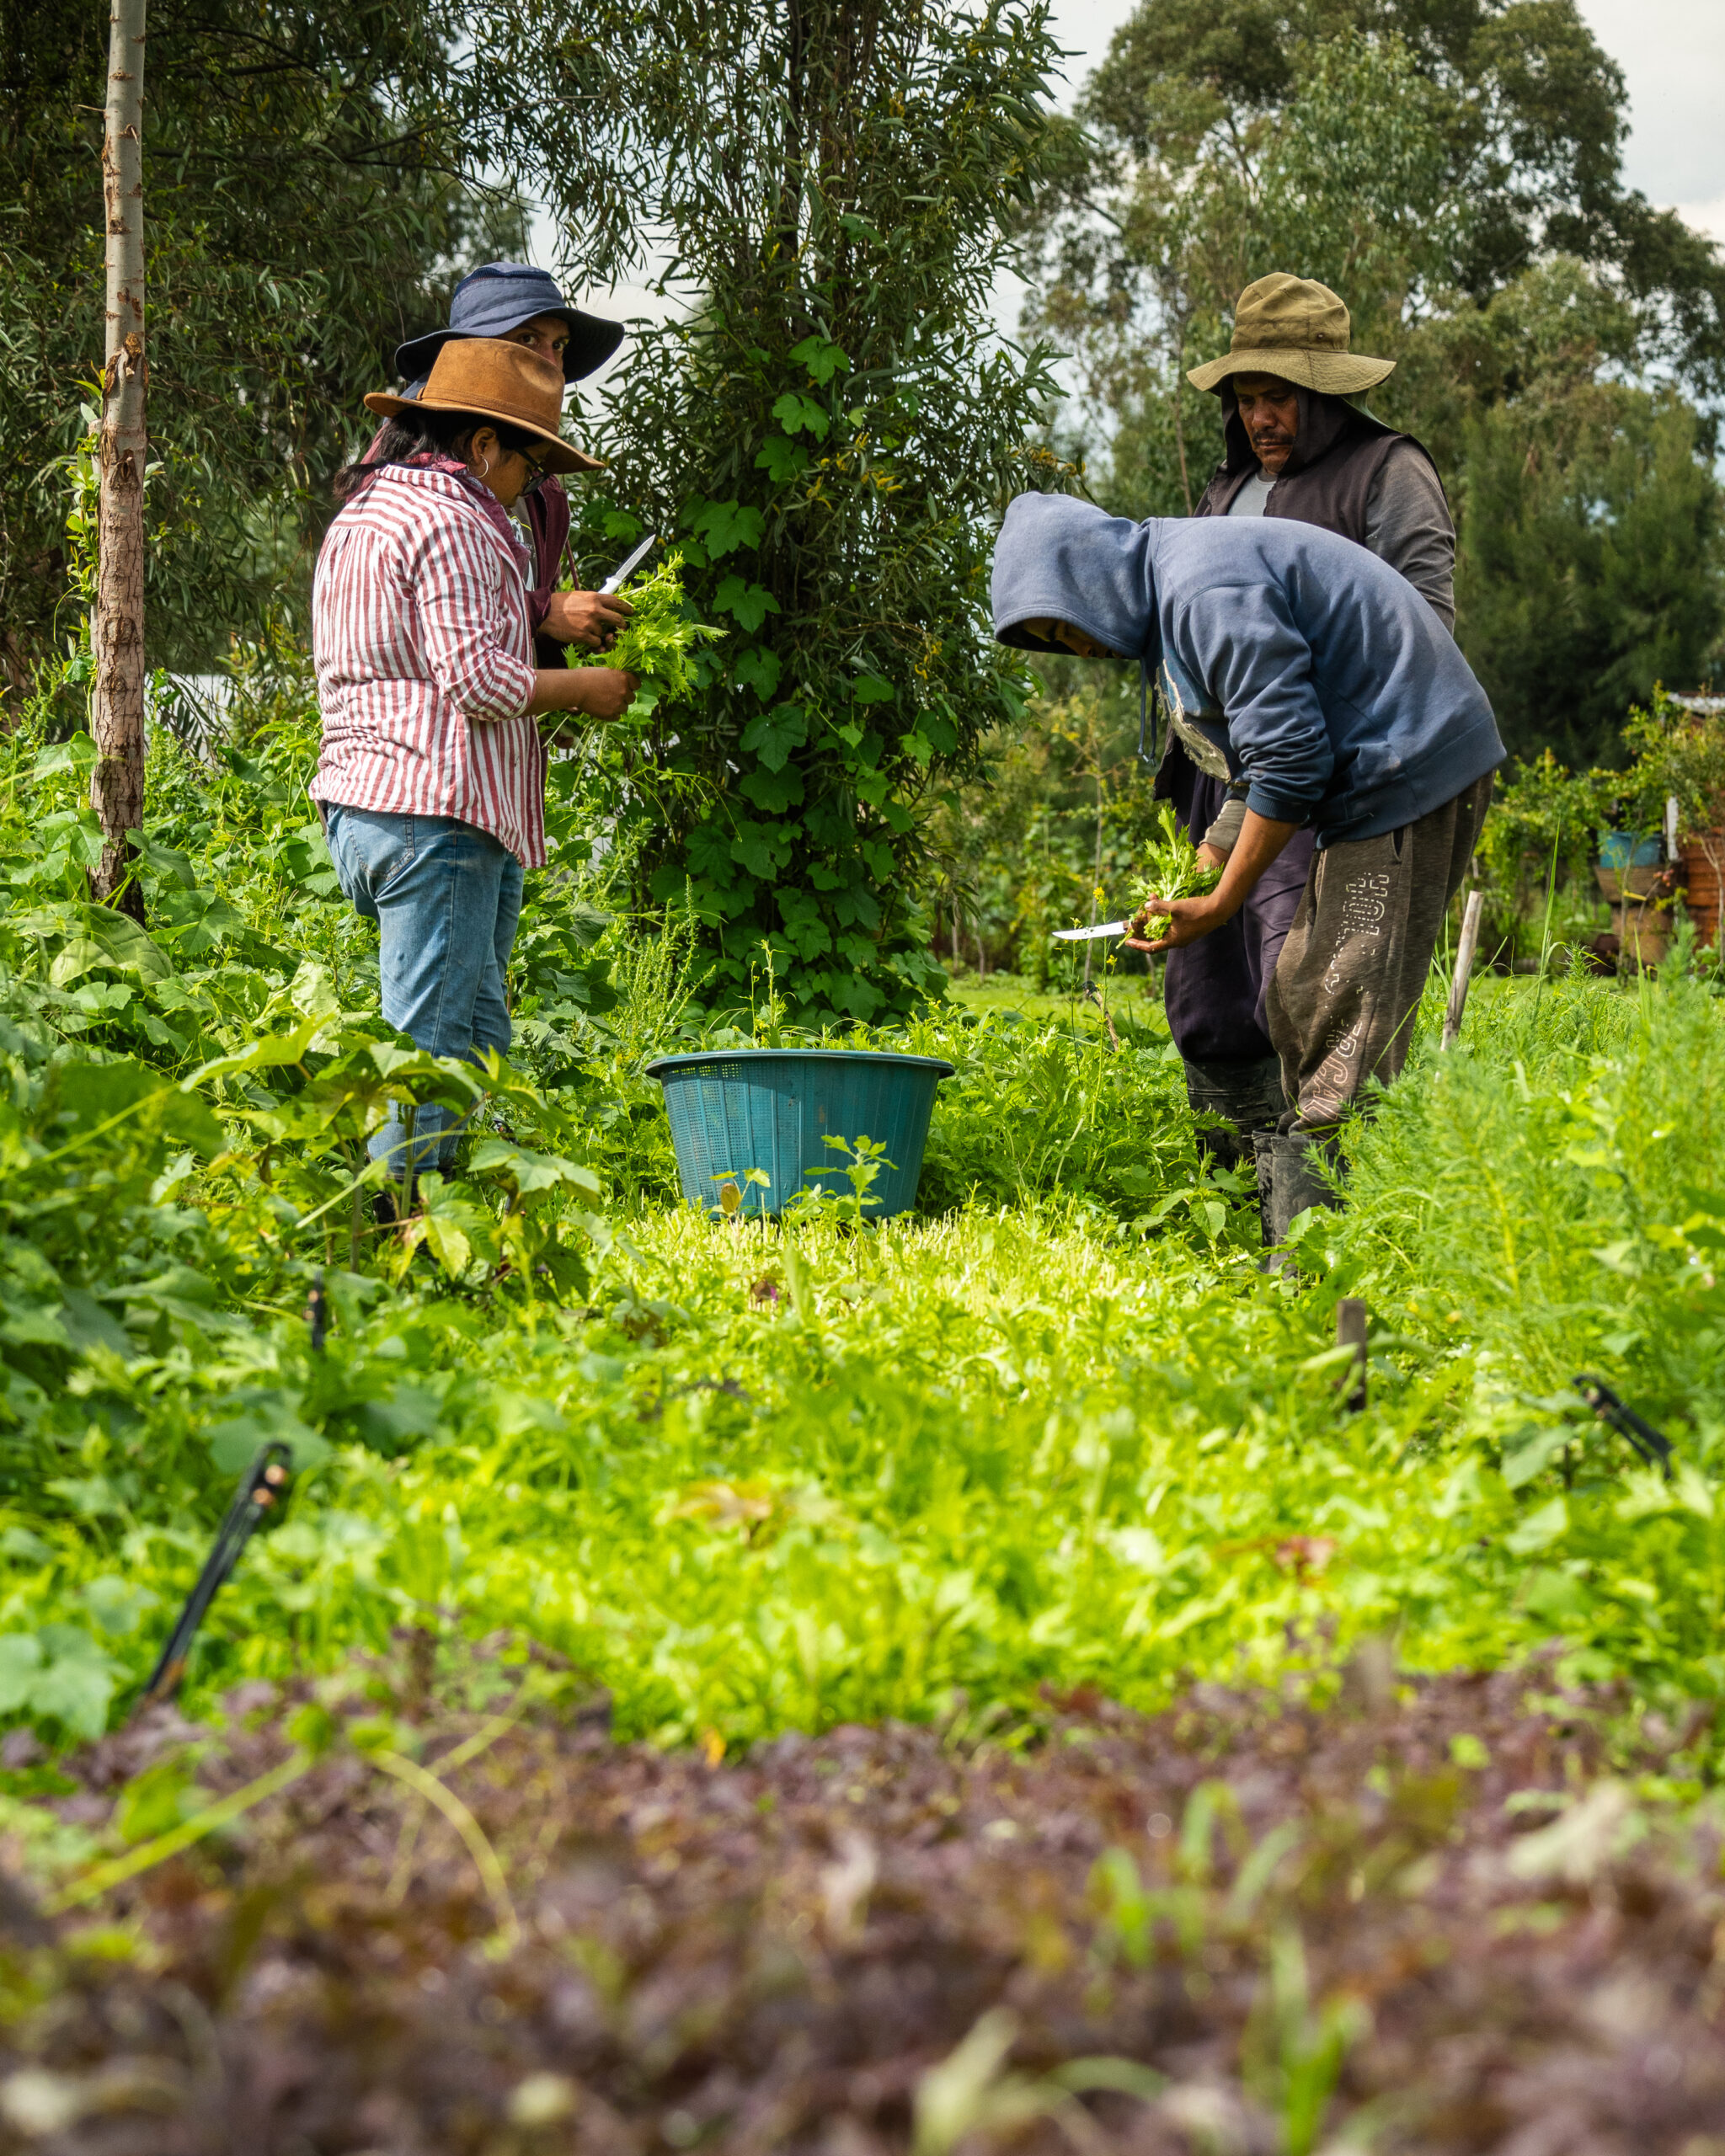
1289	1181
1248	1095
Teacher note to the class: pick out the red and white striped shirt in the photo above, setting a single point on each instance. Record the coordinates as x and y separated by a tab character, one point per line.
425	663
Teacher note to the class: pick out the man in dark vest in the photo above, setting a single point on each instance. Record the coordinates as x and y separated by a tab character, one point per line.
1296	448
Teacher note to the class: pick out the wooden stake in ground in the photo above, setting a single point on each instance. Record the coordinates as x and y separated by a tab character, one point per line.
117	632
1464	965
1350	1333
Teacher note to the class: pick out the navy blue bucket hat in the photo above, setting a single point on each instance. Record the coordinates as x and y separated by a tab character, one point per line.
500	297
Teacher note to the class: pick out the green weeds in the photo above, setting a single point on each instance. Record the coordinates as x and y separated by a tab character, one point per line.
1055	1429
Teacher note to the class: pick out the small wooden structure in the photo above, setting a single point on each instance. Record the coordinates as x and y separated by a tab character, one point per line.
1703	855
1640	900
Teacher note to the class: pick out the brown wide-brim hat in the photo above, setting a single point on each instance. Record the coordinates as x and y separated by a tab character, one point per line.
1297	330
487	378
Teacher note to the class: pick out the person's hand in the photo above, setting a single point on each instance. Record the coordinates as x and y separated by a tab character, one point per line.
603	692
1165	925
589	618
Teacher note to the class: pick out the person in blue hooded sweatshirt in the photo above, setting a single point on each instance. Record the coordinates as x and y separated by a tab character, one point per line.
1332	690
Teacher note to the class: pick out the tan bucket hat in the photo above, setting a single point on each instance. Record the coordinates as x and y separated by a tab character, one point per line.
495	380
1297	330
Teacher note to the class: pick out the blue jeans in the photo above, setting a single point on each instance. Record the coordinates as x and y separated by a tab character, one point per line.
446	897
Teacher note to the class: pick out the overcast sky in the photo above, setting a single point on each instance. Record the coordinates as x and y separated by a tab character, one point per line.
1672	53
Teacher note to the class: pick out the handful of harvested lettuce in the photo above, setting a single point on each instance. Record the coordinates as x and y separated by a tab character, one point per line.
660	643
1171	868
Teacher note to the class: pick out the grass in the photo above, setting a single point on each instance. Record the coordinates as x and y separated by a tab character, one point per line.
1137	995
1056	1428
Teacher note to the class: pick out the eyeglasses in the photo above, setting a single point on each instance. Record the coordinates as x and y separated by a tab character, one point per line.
539	473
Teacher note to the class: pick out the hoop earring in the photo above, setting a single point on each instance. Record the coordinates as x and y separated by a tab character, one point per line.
486	473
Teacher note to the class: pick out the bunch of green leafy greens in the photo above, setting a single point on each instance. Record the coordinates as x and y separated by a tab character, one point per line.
660	643
1171	868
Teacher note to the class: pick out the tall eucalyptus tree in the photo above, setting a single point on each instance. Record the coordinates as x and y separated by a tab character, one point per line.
117	628
828	425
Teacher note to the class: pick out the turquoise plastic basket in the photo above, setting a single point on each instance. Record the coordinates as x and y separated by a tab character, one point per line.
772	1109
1622	849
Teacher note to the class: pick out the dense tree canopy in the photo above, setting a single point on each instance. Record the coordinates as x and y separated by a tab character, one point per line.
1452	167
312	176
830	431
1502	117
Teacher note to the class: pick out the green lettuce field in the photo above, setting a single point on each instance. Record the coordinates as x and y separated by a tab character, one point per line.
1053	1446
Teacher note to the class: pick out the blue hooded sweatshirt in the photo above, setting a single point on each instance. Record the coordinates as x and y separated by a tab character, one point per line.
1331	686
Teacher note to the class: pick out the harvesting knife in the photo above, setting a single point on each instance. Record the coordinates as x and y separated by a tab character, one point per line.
1092	935
624	570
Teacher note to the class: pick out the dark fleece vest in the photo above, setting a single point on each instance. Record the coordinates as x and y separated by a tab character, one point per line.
1338	452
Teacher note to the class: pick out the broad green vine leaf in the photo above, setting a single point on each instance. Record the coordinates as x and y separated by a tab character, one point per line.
750	603
758	671
724	527
88	1095
59	1673
267	1416
167	861
761	848
531	1173
95	935
709	851
117	1605
773	734
77	755
782	460
1539	1530
822	359
797	414
77	1684
773	791
1529	1460
20	1658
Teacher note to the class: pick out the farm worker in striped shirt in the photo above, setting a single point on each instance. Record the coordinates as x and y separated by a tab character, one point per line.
431	778
524	306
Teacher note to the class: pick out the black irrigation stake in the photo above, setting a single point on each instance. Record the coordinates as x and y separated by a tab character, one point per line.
1653	1446
265	1483
265	1486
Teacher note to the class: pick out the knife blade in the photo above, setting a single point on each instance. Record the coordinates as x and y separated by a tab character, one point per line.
624	569
1090	935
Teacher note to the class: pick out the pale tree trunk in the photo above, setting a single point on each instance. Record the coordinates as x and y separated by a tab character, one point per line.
117	632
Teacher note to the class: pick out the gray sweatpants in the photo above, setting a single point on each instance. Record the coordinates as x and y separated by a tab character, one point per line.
1342	1001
